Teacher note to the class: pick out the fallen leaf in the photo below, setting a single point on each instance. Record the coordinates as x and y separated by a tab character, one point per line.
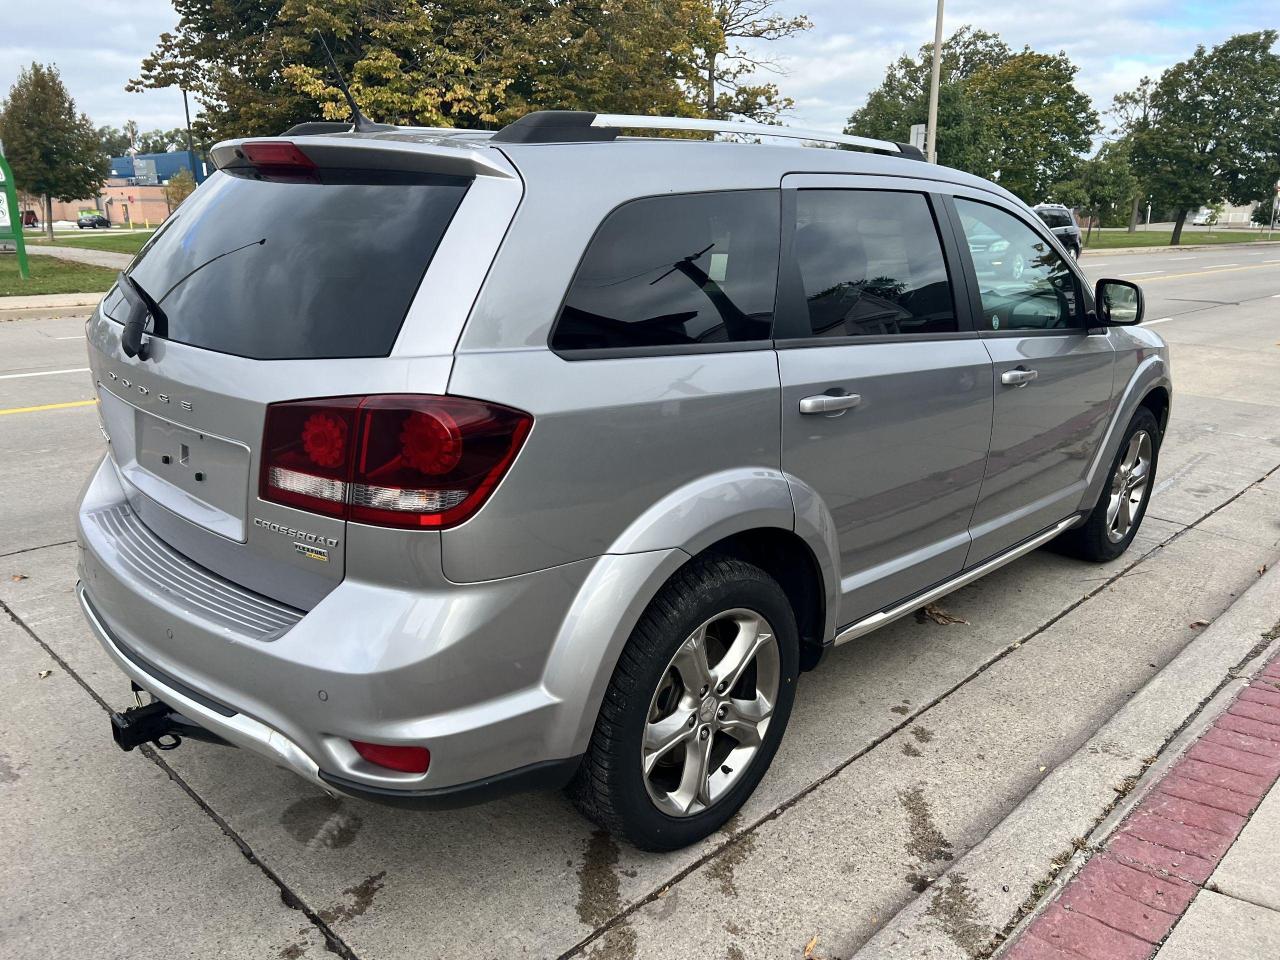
45	673
1262	569
1042	769
808	947
940	616
19	576
1197	624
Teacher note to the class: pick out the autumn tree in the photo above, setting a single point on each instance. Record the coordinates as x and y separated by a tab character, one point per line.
54	150
177	188
258	67
725	70
1213	133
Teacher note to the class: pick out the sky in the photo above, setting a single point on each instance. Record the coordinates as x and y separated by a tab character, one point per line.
828	71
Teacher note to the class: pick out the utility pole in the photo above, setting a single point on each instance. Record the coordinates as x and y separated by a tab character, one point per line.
934	78
191	152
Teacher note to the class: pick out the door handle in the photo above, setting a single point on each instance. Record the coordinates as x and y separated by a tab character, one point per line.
1019	377
827	403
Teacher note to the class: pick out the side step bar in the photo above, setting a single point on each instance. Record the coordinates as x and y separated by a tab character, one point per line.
877	620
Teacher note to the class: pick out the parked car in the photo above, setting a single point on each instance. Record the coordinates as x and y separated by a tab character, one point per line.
29	218
1062	222
450	464
93	221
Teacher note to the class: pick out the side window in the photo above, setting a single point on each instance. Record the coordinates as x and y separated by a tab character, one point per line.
871	264
1023	283
676	271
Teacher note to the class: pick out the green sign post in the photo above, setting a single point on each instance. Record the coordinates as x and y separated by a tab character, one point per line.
11	216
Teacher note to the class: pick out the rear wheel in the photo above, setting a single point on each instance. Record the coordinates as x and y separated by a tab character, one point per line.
695	709
1114	522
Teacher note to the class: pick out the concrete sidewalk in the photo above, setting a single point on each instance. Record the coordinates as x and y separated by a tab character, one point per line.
1184	869
99	258
48	305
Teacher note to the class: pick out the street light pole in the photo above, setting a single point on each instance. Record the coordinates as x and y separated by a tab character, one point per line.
934	77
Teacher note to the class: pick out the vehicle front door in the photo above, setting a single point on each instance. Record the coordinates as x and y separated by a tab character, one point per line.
886	390
1052	374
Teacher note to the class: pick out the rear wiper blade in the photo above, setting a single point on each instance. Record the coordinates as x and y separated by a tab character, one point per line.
141	305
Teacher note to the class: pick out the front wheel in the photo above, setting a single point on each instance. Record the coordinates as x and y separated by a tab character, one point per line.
1115	519
696	707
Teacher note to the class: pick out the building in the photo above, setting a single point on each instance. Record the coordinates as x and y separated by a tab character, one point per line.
134	193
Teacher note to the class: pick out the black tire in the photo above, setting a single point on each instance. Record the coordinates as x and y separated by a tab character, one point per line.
610	787
1091	540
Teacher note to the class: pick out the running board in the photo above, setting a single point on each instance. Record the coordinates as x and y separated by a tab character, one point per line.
877	620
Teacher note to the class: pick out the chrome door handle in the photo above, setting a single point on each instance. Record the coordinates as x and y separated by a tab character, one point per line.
1018	378
826	403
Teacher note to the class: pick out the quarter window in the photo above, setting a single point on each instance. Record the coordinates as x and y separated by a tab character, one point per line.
676	271
871	264
1023	283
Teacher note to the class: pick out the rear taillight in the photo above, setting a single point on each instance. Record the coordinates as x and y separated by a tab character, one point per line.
397	461
276	155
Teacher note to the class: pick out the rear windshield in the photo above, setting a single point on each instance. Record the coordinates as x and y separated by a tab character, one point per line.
283	269
1056	218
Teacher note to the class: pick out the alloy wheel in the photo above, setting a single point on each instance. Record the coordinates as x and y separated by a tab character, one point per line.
708	717
1129	486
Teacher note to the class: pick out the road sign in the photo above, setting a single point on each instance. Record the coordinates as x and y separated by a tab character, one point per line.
11	217
917	135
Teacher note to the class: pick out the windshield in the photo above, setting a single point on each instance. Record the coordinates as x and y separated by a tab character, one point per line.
295	269
1056	218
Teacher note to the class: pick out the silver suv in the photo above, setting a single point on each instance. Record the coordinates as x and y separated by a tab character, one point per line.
448	463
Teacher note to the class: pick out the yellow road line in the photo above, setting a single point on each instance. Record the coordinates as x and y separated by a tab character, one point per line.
1201	273
49	406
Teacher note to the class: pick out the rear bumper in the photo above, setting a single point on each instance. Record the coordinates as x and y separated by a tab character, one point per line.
456	668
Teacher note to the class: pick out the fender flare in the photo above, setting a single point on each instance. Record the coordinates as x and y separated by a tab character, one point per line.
1151	373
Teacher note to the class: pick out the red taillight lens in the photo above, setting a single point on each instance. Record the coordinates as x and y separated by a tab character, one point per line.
277	154
402	461
404	759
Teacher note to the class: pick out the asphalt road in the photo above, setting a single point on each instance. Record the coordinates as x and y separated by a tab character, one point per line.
905	750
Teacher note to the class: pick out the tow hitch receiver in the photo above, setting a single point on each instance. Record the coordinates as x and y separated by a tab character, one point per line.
156	723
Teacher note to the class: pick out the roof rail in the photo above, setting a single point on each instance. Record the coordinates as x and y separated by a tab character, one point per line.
575	126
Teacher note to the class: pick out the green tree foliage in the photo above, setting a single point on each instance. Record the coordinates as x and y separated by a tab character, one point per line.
1102	187
1014	117
1263	211
724	70
256	66
117	142
1212	133
53	150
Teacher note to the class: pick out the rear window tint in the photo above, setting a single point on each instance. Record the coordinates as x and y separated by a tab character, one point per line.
277	269
681	270
1056	218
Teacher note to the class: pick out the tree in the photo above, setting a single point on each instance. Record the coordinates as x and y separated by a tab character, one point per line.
1214	127
53	150
1035	121
1101	187
162	141
114	141
723	67
1131	111
256	66
1264	211
178	188
902	99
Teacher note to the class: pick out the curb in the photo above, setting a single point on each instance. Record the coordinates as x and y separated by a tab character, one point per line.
1028	858
1126	899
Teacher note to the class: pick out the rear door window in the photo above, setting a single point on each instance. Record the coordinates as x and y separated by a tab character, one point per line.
320	266
674	272
871	264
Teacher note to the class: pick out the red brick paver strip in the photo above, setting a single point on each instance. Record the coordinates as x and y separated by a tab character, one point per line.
1125	900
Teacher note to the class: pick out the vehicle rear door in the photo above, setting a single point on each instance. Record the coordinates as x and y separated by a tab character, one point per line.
1052	374
886	389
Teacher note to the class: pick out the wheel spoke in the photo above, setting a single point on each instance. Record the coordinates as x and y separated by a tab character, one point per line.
1113	510
1131	454
742	719
693	779
663	735
691	663
751	637
1126	514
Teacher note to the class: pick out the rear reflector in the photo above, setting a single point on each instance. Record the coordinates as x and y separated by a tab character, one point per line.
400	461
404	759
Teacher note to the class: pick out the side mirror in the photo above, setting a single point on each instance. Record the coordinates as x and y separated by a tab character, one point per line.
1119	303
